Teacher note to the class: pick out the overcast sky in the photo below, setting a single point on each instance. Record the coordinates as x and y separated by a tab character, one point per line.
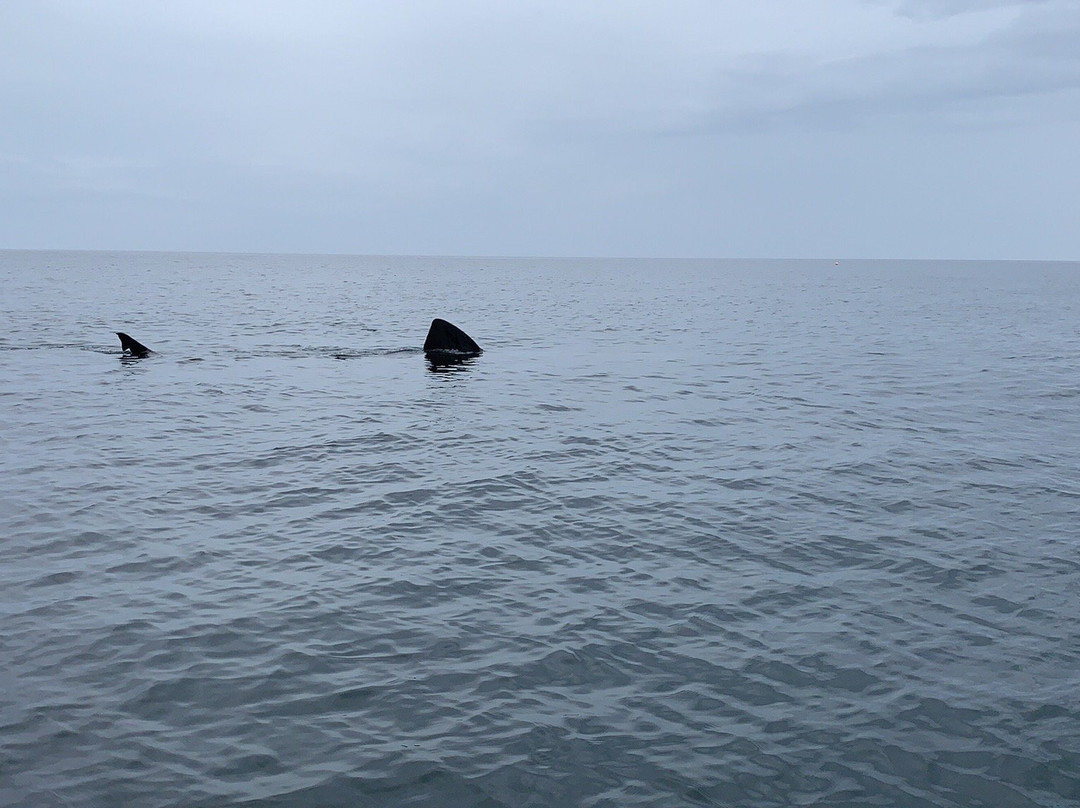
714	128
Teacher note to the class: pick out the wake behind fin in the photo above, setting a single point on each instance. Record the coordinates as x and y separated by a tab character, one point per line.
132	346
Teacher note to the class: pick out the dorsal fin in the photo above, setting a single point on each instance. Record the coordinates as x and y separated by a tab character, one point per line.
444	336
132	346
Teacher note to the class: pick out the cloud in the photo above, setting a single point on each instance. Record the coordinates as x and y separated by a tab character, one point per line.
988	74
335	125
938	9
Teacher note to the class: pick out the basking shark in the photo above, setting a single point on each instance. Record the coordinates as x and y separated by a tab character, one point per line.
446	342
132	346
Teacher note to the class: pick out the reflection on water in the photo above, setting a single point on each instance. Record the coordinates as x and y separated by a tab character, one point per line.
445	362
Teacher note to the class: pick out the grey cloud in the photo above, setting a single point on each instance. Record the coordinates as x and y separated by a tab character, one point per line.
688	128
937	85
939	9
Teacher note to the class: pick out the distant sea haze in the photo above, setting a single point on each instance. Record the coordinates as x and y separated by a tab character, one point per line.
687	533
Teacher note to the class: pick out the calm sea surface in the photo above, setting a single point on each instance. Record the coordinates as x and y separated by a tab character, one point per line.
687	534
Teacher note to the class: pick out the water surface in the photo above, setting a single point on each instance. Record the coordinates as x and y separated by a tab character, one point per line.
688	533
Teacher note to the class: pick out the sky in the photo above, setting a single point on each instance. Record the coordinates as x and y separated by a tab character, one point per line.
682	128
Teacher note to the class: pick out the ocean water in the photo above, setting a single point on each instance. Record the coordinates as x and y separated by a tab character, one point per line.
686	534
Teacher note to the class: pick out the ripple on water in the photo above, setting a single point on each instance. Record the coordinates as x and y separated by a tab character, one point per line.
798	554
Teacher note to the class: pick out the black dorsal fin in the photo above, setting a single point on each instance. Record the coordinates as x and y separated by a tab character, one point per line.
447	337
132	346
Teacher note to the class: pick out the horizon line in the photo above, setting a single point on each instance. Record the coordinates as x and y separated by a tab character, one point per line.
534	257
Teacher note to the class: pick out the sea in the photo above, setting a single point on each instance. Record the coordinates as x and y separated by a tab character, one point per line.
687	533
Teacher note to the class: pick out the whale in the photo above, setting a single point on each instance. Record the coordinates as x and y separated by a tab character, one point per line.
445	341
132	346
